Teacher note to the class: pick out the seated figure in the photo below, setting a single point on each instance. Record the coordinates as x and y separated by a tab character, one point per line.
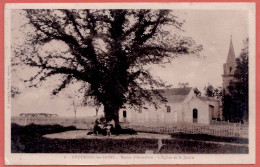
110	127
100	126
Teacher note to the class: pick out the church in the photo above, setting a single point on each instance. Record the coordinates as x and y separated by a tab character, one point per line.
183	106
229	68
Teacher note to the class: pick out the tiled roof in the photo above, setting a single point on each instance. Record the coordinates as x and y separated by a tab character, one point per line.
176	95
176	98
207	99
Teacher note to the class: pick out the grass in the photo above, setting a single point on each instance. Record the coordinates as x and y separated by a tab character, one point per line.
205	137
28	139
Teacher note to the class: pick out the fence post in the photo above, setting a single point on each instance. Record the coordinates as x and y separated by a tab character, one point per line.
25	121
239	130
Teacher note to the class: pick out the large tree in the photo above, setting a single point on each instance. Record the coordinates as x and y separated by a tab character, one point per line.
235	104
105	50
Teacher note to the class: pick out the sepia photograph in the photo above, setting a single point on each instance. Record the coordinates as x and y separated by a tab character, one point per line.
165	83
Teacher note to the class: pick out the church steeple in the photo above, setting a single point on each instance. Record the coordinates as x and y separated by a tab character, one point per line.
231	53
229	68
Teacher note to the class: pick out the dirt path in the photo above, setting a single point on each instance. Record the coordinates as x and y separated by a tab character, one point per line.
82	134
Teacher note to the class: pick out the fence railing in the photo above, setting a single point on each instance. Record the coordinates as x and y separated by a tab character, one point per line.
239	124
216	130
226	130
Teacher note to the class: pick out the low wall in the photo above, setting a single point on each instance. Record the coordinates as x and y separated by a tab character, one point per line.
80	123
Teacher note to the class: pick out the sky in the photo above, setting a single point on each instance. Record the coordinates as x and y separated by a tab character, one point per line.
213	30
210	28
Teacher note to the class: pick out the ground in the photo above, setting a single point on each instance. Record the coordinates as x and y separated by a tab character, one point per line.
81	134
58	139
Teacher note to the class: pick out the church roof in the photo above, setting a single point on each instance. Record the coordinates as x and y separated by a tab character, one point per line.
177	91
203	98
175	95
231	53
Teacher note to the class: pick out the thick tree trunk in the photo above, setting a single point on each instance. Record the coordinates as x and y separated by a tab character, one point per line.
112	112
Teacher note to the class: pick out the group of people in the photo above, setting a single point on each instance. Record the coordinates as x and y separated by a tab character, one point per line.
104	127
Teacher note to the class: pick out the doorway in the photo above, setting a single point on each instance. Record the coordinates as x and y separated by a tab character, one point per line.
124	115
195	115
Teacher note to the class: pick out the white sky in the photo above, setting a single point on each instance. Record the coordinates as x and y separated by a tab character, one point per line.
210	28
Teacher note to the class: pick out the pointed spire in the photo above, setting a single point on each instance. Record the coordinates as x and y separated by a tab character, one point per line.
231	53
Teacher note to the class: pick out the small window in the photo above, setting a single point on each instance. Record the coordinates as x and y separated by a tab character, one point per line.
230	69
124	113
195	115
168	108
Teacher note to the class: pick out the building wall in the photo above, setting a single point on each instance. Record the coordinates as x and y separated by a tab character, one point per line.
202	108
130	115
179	112
150	114
155	115
172	116
216	113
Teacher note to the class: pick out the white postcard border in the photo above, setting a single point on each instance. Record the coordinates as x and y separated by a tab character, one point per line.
124	159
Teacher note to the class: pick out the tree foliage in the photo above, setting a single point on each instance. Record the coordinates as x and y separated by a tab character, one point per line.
212	92
197	92
183	84
235	104
105	50
14	91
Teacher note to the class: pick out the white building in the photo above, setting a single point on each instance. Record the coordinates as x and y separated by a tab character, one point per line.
182	106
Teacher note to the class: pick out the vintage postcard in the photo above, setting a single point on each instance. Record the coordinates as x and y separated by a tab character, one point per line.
129	83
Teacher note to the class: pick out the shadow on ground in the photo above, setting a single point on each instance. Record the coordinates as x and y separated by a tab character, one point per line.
29	139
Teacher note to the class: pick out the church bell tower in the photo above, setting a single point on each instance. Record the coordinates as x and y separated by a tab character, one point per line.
229	68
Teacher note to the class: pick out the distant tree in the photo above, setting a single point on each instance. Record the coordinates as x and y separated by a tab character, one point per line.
183	85
212	92
227	103
238	89
209	91
107	50
73	104
92	102
218	93
14	91
197	92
